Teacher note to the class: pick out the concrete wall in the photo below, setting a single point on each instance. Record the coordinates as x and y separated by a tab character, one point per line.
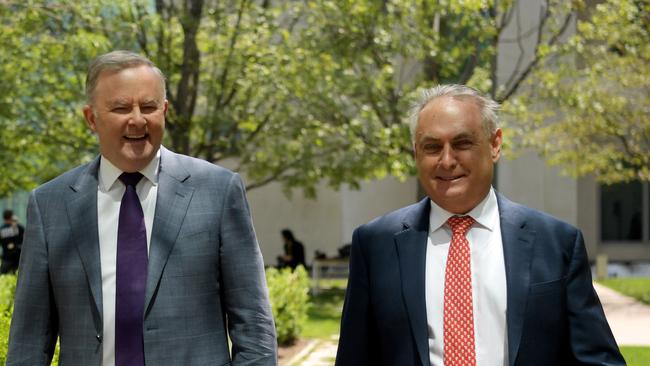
325	223
372	200
529	181
315	223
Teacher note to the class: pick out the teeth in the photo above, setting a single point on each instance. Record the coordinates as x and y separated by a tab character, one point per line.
134	137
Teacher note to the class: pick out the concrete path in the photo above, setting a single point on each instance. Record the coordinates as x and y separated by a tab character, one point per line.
628	318
317	353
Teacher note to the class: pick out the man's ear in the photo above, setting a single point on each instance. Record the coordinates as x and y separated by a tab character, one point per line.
165	106
497	140
89	115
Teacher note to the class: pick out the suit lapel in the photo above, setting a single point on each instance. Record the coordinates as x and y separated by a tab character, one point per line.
82	216
411	246
517	240
171	207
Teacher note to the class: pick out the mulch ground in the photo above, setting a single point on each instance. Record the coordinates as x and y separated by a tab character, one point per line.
286	353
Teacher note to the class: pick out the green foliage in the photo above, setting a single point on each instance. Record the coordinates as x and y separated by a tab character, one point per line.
304	92
289	294
636	287
596	96
7	289
43	52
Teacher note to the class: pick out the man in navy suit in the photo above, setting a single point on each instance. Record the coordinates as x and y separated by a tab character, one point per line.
465	276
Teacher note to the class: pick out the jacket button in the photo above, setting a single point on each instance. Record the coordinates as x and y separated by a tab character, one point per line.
99	338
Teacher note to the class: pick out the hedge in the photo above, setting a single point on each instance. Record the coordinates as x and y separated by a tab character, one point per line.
7	289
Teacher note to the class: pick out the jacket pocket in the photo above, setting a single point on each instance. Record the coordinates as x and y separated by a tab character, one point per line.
548	287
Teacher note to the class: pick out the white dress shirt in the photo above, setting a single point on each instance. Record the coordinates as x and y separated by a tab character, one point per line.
488	282
109	199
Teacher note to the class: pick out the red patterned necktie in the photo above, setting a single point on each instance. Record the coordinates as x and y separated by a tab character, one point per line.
458	309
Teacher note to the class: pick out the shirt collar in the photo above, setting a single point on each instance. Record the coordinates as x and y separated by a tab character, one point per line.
486	213
109	173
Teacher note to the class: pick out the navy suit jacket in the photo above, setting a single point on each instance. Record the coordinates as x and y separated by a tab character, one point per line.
553	315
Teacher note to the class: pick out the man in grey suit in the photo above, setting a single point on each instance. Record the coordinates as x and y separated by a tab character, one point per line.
142	256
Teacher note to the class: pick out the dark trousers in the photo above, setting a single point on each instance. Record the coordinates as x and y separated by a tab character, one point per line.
9	265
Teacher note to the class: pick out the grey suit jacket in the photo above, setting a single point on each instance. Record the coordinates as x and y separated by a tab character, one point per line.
205	275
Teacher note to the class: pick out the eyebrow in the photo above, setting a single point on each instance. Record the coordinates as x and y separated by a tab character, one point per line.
461	136
150	101
123	101
118	102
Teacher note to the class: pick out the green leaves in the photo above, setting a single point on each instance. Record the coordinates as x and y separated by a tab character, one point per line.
43	53
289	295
7	290
597	100
304	92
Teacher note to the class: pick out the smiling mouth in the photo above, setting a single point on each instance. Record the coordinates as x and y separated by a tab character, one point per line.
450	179
135	137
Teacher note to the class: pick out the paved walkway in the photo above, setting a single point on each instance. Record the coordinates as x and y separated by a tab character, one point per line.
629	320
317	353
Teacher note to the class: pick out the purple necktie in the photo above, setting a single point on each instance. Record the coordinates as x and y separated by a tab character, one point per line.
131	277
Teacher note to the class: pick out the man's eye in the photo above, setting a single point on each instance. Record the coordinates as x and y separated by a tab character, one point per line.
148	109
121	110
431	148
463	144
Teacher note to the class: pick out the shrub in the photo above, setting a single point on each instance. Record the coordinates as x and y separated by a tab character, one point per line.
289	293
7	289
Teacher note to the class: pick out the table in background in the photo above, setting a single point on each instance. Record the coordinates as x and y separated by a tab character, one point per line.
328	268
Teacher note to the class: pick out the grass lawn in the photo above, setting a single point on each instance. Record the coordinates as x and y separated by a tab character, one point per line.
636	287
324	315
636	356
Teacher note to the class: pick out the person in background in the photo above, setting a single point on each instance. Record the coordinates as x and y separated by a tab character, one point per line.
11	240
142	256
294	251
466	276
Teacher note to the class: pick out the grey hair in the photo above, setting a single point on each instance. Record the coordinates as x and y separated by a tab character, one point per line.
487	105
116	61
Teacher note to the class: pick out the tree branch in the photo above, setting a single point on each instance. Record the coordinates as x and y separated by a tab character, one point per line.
522	50
231	50
531	66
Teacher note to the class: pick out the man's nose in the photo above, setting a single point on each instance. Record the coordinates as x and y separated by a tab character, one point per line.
448	158
137	117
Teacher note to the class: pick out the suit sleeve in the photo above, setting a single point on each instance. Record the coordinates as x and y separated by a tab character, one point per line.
591	339
34	324
245	294
356	336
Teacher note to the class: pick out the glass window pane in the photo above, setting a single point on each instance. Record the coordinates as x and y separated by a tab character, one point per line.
621	211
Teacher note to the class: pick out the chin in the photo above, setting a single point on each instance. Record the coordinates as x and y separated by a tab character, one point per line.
452	191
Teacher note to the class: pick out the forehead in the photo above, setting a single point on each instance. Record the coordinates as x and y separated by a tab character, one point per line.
449	116
132	82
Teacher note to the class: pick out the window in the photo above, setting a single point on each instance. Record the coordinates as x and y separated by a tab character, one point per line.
625	212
